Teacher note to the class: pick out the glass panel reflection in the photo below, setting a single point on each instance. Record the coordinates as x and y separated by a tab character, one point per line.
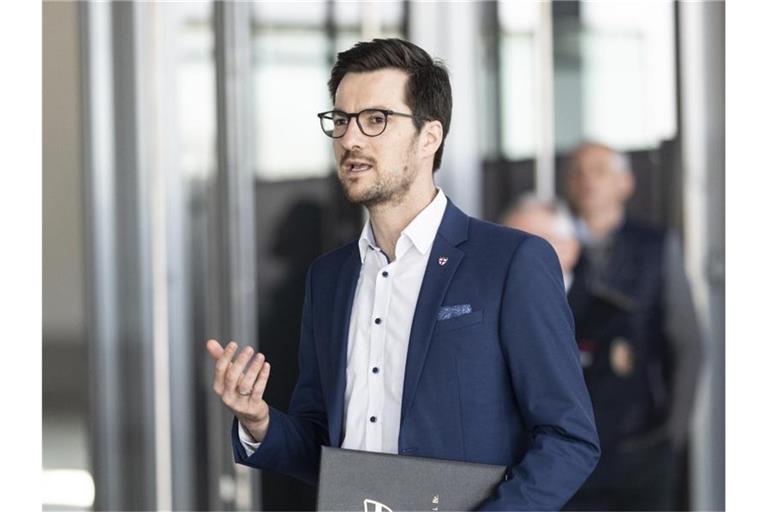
518	22
290	70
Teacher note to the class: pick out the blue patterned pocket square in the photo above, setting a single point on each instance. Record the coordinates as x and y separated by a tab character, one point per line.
447	312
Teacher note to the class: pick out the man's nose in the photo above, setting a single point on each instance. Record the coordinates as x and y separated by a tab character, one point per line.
353	137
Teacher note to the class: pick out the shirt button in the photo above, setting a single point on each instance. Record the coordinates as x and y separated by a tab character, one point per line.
385	274
373	419
377	321
375	369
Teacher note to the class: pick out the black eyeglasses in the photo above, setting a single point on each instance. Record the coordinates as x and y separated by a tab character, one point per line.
371	121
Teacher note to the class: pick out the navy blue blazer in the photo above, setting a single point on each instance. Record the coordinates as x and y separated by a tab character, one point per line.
500	385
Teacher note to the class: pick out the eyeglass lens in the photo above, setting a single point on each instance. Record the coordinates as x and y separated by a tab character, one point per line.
371	122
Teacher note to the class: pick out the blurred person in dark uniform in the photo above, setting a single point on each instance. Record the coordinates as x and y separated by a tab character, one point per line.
551	221
638	335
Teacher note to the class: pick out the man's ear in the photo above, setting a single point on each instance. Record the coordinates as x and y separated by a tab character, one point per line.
431	138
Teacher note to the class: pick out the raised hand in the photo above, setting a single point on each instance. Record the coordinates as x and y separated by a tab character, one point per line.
242	390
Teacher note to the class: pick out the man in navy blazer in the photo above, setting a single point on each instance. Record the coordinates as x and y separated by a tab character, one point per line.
486	368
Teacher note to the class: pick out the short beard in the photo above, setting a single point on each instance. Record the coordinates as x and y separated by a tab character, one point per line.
388	188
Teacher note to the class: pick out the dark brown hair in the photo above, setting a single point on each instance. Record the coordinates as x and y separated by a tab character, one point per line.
427	92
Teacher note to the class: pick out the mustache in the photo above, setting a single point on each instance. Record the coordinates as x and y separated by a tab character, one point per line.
349	155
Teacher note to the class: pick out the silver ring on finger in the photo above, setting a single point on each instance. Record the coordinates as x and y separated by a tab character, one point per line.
244	393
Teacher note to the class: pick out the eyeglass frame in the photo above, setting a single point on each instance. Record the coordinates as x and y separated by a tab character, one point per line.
356	115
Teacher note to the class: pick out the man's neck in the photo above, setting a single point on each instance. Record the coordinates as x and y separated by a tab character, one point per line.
389	220
603	223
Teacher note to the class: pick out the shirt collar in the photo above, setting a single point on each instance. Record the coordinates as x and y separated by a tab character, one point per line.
366	241
421	231
587	239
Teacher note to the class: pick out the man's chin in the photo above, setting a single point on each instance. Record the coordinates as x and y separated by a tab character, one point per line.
361	196
361	199
355	193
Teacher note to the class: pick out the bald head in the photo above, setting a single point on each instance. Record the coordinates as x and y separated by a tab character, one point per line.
550	221
598	179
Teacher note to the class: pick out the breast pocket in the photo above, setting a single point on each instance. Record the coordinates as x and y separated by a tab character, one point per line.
458	322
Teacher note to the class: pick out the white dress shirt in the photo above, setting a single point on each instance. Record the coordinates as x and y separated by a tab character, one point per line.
379	331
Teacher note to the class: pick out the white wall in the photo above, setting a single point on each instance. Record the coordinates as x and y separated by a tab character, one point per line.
63	273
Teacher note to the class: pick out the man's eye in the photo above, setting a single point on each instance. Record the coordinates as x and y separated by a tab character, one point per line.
376	119
340	121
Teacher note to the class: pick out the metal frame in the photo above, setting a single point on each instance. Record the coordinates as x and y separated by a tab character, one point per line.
118	242
177	454
545	98
101	307
492	37
233	315
702	129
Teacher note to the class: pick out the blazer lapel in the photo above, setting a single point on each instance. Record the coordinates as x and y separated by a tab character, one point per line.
444	259
342	309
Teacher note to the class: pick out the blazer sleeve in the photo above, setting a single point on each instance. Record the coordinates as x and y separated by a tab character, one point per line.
292	443
538	341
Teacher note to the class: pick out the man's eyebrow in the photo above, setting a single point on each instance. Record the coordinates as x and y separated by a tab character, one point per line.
374	107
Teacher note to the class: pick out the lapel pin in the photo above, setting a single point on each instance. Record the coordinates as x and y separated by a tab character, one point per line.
442	260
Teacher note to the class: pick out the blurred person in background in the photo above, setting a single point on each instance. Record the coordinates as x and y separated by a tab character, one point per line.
638	335
551	221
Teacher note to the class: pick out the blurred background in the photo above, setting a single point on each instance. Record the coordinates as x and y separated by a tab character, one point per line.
187	186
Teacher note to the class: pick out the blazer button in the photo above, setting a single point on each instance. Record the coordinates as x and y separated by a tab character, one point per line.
375	369
373	419
377	321
385	274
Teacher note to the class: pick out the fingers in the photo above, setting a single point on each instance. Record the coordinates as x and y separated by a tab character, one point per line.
222	368
230	378
261	382
235	372
258	366
215	350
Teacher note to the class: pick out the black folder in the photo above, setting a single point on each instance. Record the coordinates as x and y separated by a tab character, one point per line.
382	482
